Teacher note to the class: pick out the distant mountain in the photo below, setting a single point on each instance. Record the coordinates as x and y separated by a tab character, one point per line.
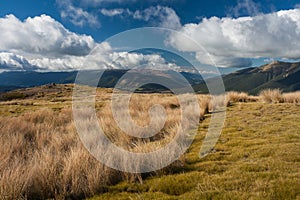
24	79
282	75
15	80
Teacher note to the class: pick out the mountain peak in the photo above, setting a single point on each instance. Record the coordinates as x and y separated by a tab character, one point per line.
275	66
275	62
276	74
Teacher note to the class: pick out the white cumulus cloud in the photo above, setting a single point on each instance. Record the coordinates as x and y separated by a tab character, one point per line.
11	61
43	44
41	35
102	57
232	42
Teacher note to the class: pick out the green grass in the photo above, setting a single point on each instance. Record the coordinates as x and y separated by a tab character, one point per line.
256	157
33	99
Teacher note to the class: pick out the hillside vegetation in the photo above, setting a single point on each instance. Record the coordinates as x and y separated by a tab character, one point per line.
277	74
256	157
282	75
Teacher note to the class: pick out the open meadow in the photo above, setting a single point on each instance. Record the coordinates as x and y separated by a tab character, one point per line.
150	99
256	157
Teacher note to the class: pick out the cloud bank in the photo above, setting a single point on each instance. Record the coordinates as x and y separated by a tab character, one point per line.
232	42
41	35
43	44
10	61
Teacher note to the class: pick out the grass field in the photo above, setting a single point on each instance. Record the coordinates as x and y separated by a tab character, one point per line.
256	157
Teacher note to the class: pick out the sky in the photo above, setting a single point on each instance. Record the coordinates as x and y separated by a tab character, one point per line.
61	35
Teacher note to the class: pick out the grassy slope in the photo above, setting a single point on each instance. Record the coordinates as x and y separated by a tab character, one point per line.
37	98
256	157
284	76
287	84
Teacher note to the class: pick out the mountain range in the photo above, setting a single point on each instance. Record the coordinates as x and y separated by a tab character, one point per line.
282	75
109	79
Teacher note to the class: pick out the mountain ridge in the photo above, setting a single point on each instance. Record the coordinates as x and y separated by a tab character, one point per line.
277	74
24	79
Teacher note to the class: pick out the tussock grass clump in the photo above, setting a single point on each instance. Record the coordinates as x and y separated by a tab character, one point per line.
254	158
233	97
139	107
271	96
276	96
291	97
42	157
205	105
237	96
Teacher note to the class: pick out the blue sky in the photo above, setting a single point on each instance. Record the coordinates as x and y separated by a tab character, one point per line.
77	26
189	11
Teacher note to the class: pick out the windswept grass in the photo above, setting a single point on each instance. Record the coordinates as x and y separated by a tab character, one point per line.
256	157
276	96
291	97
233	97
42	156
271	96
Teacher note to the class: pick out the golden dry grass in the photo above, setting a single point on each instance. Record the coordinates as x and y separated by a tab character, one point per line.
237	96
42	156
271	96
291	97
256	157
276	96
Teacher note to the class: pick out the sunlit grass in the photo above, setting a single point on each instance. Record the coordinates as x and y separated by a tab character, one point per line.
256	157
